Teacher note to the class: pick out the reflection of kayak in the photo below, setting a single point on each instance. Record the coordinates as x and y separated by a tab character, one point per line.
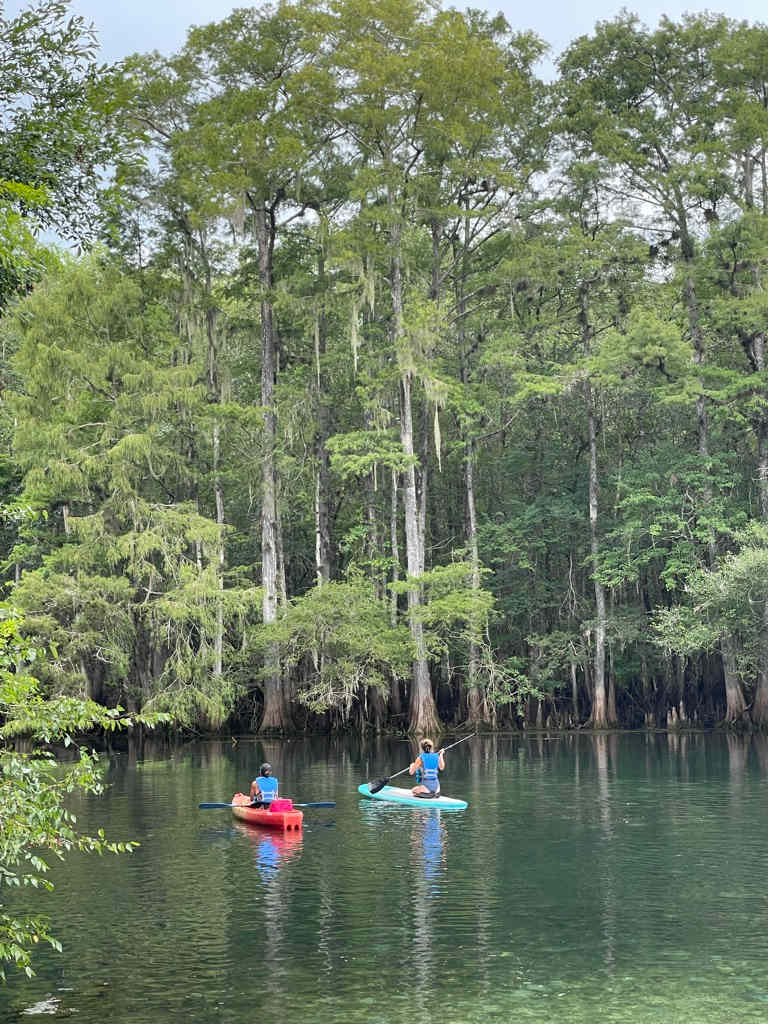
287	821
272	848
393	795
287	843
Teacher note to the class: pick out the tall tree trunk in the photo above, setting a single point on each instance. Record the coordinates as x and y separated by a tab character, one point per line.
394	546
734	695
478	710
371	516
218	640
423	713
603	714
760	708
195	242
395	698
275	717
574	693
422	487
600	717
282	587
214	389
748	167
322	467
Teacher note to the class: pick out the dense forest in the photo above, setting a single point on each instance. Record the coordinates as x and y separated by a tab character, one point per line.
382	382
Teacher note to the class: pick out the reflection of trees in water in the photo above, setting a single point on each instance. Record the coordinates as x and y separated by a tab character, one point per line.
678	753
271	852
760	741
738	748
605	753
326	924
485	755
373	753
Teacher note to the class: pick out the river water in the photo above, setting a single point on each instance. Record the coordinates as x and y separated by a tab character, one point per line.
592	878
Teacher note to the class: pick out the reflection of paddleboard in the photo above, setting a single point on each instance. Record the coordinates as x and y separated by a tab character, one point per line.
393	795
432	844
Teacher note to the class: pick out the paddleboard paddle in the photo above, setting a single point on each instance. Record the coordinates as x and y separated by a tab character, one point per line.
380	783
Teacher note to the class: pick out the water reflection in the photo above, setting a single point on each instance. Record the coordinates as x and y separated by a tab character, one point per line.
428	845
593	878
427	854
271	850
605	745
761	749
737	762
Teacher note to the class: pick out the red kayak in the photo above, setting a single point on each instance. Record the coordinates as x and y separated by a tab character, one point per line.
283	816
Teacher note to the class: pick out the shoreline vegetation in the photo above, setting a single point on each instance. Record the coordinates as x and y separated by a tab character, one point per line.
393	388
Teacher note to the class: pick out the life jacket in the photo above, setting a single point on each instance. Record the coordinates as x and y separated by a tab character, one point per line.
267	786
430	763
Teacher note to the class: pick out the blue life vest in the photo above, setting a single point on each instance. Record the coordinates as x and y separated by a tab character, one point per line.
430	763
267	787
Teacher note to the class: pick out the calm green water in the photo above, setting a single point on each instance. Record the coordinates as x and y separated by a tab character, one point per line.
613	878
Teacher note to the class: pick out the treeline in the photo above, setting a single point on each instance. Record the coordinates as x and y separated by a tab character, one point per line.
402	387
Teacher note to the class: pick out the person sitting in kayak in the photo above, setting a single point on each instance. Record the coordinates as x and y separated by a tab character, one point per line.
427	764
264	789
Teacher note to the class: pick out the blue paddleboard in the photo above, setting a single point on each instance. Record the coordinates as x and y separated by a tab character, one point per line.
393	795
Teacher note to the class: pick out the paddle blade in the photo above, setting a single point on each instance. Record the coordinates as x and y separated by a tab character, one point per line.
377	784
318	803
208	807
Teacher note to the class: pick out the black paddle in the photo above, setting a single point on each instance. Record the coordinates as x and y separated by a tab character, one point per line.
317	803
377	784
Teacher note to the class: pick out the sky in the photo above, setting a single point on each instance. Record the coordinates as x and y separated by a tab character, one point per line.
130	26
